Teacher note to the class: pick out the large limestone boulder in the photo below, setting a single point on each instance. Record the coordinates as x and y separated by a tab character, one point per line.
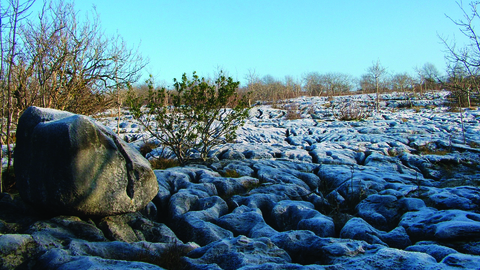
68	164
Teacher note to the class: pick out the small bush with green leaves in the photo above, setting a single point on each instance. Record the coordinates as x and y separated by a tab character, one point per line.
201	114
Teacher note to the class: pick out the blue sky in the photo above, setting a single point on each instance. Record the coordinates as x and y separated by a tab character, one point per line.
280	37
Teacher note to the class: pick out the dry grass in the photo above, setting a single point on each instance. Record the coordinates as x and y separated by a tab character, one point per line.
429	149
473	144
147	147
230	174
163	163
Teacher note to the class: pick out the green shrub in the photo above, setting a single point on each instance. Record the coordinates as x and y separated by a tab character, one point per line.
201	115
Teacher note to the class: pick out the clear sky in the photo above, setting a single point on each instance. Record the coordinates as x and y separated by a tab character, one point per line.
280	37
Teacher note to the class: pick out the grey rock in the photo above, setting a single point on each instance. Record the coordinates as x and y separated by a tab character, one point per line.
94	263
106	255
273	175
463	198
431	248
117	228
134	228
231	186
357	228
68	164
304	247
234	253
293	215
384	211
17	251
198	225
326	153
243	169
288	266
388	258
397	238
55	232
422	164
242	220
282	191
464	261
441	225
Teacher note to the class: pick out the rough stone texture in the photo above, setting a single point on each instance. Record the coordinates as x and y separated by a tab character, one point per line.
242	221
383	171
69	164
234	253
463	198
384	211
357	228
293	215
442	225
17	250
58	259
464	261
431	248
389	258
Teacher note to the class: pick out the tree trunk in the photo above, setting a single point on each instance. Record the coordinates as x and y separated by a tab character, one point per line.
377	99
9	90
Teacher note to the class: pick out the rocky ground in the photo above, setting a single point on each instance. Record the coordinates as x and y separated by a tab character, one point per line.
299	190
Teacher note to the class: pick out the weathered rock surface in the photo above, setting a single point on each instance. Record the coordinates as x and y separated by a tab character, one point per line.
442	225
233	253
359	229
398	192
69	164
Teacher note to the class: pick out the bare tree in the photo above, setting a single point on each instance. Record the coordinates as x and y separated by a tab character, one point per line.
292	86
467	58
15	13
55	60
312	83
402	82
460	85
377	71
367	83
431	76
75	63
428	76
253	85
335	83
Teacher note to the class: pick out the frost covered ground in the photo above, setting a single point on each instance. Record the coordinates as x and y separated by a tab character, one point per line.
400	180
397	190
